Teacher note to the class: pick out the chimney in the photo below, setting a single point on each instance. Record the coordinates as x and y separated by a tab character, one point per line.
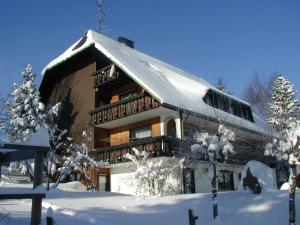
127	42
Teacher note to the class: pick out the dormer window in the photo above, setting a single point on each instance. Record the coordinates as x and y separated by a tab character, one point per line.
227	104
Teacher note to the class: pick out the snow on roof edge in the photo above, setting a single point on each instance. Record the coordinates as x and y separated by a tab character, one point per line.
108	46
68	53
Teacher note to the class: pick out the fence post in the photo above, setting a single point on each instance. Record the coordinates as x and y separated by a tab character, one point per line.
36	208
192	218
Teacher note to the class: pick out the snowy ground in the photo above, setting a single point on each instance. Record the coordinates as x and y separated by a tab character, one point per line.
75	206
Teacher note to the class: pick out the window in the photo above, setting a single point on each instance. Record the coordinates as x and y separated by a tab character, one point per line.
225	180
141	132
227	104
171	128
188	181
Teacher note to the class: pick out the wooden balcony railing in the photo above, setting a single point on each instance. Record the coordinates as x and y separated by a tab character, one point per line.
157	146
126	107
105	75
168	146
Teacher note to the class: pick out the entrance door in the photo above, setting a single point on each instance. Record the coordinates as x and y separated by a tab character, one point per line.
188	181
104	182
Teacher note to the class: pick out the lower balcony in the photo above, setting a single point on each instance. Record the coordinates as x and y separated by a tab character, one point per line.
168	146
157	147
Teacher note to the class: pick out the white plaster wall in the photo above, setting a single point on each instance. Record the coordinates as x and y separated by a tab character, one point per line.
202	182
122	180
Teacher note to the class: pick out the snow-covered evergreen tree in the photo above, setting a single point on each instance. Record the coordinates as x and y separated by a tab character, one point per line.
26	109
4	119
28	114
283	106
283	120
216	148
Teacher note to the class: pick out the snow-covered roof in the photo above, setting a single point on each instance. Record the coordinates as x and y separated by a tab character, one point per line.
168	84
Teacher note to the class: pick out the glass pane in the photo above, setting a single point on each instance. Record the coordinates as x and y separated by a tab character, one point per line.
141	133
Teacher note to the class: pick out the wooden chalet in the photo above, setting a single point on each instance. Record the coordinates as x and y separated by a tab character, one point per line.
129	99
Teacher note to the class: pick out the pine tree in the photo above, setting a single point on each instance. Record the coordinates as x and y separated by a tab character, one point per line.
222	86
283	106
26	109
283	119
28	114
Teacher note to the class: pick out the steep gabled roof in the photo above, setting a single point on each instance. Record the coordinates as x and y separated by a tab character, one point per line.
169	85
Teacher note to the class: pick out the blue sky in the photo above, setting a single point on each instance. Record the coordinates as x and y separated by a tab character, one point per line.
211	38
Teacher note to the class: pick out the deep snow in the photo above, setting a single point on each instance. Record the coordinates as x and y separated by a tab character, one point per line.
77	207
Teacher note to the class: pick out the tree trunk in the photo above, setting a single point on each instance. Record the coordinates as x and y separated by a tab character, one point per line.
214	191
292	192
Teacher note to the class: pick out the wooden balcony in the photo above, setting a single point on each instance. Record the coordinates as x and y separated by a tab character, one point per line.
168	146
157	146
109	76
126	107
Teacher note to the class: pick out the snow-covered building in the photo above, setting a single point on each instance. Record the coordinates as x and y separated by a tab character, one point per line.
131	99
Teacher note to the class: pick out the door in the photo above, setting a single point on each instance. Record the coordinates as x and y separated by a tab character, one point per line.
104	182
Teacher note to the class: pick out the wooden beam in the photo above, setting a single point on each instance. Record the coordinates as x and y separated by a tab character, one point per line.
22	152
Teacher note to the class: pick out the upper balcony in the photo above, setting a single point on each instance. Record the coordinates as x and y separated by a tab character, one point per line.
110	76
129	106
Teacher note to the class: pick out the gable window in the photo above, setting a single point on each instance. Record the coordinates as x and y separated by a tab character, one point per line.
225	180
141	132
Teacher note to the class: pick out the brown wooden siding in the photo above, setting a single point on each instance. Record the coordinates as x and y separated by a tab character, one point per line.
121	135
77	95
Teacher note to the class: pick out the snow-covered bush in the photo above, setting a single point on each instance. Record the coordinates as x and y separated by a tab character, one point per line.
78	160
152	176
262	172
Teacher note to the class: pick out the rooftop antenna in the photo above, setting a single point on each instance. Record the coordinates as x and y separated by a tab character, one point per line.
101	15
